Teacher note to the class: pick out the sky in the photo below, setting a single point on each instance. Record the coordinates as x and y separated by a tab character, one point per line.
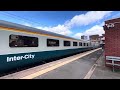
69	23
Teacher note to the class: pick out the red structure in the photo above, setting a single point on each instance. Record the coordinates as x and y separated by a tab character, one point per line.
112	42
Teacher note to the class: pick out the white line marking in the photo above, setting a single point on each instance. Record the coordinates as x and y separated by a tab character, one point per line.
55	66
90	72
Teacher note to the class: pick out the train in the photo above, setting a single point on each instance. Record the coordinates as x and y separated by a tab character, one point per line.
22	46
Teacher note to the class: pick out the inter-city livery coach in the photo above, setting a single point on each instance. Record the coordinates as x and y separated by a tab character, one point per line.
22	46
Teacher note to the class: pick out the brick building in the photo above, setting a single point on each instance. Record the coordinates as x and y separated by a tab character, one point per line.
112	41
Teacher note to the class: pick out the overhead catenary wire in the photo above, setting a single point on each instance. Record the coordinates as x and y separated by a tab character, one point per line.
21	18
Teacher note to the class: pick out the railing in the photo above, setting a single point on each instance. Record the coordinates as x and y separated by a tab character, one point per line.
113	59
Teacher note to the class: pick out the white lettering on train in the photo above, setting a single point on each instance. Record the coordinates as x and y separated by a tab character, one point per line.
16	58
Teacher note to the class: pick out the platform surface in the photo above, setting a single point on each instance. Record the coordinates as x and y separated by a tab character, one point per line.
80	68
73	70
103	72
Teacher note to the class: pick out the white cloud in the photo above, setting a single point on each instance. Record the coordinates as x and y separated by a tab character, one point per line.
27	24
78	35
97	29
78	20
60	29
88	18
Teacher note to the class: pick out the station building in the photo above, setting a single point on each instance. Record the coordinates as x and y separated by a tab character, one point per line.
112	42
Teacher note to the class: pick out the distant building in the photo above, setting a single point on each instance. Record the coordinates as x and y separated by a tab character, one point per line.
94	37
84	37
102	39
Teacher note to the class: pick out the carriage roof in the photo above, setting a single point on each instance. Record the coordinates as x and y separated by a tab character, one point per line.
31	29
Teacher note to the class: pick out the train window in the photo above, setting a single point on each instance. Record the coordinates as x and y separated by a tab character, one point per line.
74	43
66	43
83	44
87	44
80	43
22	41
52	42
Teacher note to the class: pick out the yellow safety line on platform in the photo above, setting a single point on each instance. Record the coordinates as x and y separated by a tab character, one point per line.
55	66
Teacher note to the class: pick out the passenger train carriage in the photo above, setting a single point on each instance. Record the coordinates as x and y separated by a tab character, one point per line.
21	46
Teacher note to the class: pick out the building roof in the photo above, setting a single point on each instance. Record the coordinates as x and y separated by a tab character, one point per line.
113	19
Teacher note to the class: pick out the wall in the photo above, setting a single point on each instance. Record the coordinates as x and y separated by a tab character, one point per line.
112	39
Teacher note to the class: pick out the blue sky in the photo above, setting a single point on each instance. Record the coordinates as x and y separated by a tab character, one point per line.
70	23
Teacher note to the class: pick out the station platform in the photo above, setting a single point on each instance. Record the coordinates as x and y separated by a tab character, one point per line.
79	66
77	69
91	66
103	72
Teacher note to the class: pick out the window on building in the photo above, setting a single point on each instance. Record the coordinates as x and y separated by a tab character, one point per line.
80	43
22	41
74	43
52	42
66	43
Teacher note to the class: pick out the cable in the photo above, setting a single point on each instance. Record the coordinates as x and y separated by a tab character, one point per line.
22	18
18	17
